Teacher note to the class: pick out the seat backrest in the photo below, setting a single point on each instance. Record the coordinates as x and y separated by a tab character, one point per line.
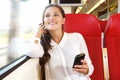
88	25
112	43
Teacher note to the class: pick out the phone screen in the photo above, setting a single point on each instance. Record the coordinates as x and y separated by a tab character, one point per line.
78	58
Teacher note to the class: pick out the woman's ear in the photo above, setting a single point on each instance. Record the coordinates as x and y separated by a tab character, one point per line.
63	20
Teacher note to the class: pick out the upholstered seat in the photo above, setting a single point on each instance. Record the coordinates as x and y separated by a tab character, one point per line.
88	25
112	43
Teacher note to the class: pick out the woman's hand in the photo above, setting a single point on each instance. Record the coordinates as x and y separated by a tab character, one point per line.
82	68
40	30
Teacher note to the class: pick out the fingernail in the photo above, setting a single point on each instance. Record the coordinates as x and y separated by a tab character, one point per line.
40	24
44	27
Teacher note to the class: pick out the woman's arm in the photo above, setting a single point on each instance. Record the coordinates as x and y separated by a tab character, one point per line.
87	68
32	48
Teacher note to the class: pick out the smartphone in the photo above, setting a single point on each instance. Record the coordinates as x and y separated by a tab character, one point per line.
78	58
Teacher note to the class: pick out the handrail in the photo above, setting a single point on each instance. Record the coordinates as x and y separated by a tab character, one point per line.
6	70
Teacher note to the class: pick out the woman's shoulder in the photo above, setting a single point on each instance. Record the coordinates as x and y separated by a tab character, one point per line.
75	36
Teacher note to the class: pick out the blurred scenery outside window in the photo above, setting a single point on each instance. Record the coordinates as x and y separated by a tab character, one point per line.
19	19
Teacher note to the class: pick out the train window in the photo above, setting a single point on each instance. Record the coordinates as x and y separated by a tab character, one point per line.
70	2
19	19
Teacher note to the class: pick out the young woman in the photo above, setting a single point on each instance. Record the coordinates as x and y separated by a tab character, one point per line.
59	48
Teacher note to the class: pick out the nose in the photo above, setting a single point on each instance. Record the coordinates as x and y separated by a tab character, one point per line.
51	17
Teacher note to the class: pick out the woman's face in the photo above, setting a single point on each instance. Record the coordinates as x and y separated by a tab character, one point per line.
53	19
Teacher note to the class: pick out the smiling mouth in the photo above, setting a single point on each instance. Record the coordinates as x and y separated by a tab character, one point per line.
52	22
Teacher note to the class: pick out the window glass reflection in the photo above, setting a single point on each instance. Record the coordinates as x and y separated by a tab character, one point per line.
19	20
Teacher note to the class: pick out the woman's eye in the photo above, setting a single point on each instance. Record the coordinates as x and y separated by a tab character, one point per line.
51	15
56	15
47	16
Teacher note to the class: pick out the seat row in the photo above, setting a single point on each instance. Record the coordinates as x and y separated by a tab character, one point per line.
92	29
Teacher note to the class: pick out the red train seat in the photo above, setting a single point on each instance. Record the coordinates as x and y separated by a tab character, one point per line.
88	25
112	43
102	24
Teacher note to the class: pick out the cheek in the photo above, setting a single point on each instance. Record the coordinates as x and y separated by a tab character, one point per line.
45	19
45	22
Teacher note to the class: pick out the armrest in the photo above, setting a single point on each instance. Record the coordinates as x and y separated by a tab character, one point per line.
105	63
30	70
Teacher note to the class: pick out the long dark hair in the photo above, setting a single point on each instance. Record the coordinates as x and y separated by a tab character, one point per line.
46	37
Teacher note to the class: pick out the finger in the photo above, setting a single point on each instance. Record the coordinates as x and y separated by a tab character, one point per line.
81	70
81	66
42	25
84	62
78	66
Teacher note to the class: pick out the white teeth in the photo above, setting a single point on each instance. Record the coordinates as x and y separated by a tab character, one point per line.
52	23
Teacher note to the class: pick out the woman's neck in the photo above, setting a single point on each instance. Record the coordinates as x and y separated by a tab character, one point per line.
57	36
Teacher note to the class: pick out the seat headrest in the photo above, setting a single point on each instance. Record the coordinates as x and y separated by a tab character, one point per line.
113	26
87	24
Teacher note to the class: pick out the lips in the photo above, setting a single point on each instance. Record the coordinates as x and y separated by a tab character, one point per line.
52	22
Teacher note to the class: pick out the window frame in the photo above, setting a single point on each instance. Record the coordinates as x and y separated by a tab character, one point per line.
6	70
